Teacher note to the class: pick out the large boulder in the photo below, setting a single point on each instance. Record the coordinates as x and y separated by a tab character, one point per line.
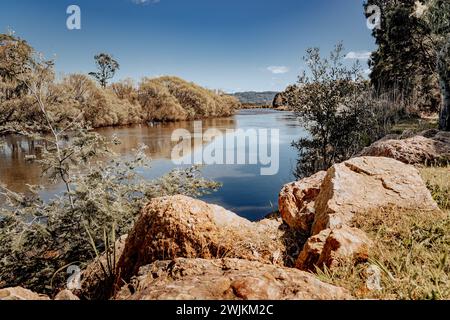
178	226
226	279
330	247
325	205
327	200
19	293
296	202
430	147
367	183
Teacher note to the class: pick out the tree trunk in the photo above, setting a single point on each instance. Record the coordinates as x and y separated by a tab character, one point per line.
444	122
444	79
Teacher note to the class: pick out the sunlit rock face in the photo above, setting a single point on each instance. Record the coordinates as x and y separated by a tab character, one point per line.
226	279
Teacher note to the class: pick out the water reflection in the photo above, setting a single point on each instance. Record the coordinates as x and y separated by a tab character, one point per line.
244	190
15	170
158	136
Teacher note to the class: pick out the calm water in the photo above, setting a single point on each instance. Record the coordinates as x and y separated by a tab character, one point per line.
244	190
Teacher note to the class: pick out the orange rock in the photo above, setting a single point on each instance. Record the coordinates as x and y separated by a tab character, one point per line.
226	279
172	227
296	201
66	295
329	247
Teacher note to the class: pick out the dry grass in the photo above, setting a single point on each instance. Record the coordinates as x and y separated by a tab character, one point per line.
411	249
414	125
438	181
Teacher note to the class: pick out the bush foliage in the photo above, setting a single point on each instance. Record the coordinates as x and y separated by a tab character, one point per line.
339	110
78	96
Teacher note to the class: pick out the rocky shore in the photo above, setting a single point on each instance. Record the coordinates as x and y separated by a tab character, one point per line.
182	248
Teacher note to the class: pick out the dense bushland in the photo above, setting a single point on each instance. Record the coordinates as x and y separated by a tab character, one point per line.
171	98
409	76
78	96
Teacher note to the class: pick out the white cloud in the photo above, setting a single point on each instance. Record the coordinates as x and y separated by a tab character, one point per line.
278	69
143	2
360	55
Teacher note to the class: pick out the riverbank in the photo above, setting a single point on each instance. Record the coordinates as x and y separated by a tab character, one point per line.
257	106
359	253
243	190
327	234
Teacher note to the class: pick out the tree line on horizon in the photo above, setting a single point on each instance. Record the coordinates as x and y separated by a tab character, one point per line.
103	104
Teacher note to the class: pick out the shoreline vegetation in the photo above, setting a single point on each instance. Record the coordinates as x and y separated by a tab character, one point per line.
78	97
271	107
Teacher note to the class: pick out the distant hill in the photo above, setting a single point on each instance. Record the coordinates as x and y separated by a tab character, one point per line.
256	98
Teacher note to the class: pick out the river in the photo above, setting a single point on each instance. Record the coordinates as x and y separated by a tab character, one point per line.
244	191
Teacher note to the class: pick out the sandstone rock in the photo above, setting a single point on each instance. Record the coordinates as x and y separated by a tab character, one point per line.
443	136
368	183
179	226
330	247
226	279
66	295
430	147
345	242
312	250
19	293
373	278
296	201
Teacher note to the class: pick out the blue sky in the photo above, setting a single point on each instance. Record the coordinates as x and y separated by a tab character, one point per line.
234	45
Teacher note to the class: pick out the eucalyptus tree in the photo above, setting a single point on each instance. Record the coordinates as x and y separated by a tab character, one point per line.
404	63
436	15
107	67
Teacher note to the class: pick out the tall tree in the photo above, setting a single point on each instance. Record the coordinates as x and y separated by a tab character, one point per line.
436	14
20	68
404	65
15	61
106	66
